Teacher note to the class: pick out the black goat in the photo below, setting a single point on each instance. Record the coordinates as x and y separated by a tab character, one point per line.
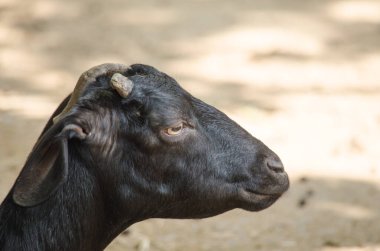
130	144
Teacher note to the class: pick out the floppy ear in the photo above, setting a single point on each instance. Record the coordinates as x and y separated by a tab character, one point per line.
46	167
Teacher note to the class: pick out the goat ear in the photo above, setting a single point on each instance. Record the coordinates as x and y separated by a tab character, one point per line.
46	167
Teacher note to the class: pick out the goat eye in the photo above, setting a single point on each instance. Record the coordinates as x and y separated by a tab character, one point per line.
173	131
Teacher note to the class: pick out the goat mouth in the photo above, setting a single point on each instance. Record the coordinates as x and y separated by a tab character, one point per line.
262	195
255	201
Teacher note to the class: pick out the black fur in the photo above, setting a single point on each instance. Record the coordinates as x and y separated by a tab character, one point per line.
125	169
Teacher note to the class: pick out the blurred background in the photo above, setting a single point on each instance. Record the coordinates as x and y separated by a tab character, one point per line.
302	76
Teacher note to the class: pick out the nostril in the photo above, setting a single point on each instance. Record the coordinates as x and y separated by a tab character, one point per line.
275	165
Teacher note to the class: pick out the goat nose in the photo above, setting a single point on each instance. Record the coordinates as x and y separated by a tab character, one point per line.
274	164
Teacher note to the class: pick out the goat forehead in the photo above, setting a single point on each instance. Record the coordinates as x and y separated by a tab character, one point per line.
160	92
156	80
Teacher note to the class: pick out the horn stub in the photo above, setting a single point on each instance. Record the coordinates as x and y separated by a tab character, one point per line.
121	84
87	78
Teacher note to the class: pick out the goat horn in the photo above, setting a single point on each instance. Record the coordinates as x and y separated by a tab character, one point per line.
121	84
85	79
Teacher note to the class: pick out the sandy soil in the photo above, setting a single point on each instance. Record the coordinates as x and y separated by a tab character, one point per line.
303	76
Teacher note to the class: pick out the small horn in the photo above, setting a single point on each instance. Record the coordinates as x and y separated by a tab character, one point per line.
121	84
85	79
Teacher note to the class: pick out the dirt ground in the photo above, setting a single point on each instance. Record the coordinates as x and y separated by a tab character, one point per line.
302	76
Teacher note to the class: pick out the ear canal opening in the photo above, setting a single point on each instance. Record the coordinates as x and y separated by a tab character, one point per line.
74	131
